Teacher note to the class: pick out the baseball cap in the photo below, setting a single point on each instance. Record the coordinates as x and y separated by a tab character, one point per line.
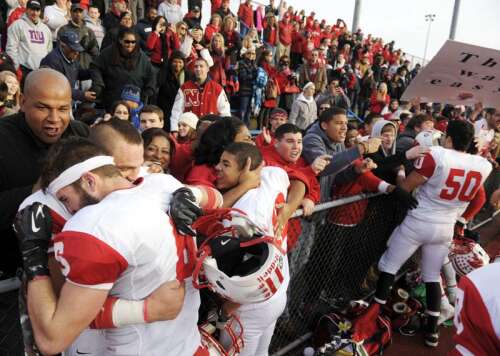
34	4
196	9
76	5
72	40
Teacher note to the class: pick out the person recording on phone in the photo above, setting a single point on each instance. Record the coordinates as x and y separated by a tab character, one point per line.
335	96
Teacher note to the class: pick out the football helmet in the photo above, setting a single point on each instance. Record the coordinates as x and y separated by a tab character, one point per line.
429	138
467	255
236	260
234	330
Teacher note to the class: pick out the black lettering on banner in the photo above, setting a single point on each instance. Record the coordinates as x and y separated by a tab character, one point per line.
456	85
468	56
490	63
488	77
467	74
477	87
436	81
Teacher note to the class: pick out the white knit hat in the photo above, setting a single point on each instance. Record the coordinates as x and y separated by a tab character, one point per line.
309	84
189	119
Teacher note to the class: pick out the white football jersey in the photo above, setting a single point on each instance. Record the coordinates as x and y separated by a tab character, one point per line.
453	179
477	312
130	258
262	206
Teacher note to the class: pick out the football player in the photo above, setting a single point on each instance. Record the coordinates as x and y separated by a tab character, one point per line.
448	179
98	179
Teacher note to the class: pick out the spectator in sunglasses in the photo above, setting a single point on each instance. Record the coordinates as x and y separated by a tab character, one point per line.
121	64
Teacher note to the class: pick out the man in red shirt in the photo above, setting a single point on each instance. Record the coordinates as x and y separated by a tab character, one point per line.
285	37
304	186
245	14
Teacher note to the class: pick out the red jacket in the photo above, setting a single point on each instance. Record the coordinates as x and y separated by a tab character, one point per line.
216	4
298	41
154	44
201	174
210	31
285	33
299	170
260	142
201	100
182	159
353	213
245	13
376	106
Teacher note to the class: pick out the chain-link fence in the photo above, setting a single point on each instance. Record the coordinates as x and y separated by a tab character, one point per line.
333	262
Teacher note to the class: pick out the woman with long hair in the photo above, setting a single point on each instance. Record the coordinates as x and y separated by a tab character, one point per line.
232	38
221	61
379	99
119	65
13	90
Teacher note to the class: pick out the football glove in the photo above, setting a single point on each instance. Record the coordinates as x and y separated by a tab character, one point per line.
33	226
184	210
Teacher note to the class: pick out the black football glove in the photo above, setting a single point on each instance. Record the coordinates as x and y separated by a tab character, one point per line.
406	198
184	211
33	226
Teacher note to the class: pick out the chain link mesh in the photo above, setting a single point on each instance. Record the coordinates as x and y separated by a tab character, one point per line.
333	264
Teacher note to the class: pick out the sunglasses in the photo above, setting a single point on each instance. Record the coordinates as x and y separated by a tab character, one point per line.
324	107
129	41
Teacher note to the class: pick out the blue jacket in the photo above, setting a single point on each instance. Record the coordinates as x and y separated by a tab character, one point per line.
71	70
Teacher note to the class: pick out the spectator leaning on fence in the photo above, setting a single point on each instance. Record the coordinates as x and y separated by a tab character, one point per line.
326	137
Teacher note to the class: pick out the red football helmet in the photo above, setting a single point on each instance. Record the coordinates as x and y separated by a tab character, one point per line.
467	255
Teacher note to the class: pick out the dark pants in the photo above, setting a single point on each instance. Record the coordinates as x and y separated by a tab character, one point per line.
245	108
11	338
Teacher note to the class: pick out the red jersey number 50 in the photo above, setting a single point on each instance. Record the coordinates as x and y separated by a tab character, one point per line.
460	183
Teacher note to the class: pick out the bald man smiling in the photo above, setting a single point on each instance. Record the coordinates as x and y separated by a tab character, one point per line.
24	140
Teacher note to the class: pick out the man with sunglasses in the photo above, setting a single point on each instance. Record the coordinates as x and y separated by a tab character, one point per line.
29	39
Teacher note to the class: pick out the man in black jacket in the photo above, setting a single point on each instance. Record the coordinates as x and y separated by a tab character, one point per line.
64	59
24	141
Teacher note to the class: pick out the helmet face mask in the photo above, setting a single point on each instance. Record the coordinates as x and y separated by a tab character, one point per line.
429	138
239	262
467	255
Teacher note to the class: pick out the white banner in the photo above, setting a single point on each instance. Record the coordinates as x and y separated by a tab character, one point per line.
459	74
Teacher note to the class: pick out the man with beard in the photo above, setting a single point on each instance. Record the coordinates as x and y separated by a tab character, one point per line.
121	64
87	270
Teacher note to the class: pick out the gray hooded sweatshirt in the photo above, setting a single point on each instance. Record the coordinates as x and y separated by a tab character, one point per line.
28	43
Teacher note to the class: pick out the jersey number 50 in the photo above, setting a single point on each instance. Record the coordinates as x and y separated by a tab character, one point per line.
461	184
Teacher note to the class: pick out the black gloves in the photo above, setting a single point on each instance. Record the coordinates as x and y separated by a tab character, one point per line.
33	226
183	210
406	198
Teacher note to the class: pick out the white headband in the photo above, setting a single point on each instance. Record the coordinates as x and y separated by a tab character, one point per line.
73	173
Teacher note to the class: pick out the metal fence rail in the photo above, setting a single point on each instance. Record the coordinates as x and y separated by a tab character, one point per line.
334	263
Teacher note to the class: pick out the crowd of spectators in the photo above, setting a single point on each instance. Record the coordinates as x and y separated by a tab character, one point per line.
327	101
